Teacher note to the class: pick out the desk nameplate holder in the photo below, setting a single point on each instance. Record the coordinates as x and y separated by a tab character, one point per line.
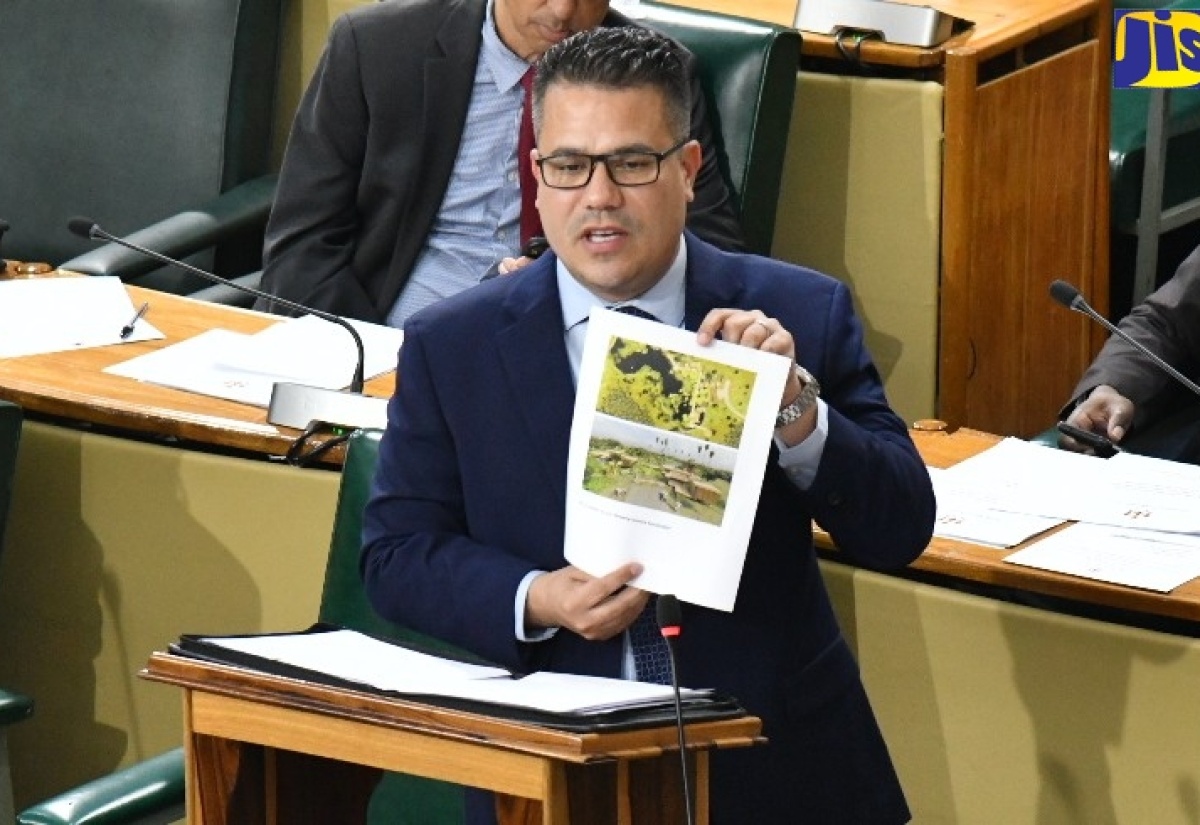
897	23
297	406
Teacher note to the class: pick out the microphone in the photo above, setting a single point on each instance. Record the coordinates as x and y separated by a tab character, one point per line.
1069	296
670	622
4	227
291	405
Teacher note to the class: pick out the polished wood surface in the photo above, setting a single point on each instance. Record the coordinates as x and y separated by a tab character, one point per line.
71	385
986	565
255	742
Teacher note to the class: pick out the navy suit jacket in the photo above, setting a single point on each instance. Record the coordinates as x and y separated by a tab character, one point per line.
372	150
469	497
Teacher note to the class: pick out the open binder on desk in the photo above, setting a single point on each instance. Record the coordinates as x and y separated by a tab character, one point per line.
335	657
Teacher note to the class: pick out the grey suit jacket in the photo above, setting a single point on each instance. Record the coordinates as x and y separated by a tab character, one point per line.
1168	324
372	150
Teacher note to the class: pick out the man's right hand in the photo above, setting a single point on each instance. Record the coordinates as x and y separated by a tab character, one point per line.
1104	411
595	608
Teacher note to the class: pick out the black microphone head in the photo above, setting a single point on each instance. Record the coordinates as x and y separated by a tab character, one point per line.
668	611
1065	294
4	226
83	227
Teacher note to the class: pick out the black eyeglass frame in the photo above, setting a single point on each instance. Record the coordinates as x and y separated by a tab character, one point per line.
659	157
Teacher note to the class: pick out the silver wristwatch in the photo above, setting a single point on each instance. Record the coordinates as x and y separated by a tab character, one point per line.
805	401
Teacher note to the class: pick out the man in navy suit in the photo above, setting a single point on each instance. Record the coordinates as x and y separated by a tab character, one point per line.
463	535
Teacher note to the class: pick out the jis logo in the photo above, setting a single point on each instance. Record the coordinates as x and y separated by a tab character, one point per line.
1156	49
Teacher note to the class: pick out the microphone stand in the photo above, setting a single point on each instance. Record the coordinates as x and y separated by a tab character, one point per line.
1069	296
670	622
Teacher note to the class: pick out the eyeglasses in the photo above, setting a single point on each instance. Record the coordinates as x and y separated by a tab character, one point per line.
574	171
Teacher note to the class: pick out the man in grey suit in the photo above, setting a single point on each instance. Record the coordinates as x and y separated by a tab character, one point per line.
399	186
1123	389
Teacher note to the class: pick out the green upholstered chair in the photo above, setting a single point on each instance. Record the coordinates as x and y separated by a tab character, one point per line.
748	71
13	706
152	117
1153	172
148	793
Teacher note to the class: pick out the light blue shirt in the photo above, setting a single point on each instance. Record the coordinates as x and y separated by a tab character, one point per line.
478	222
667	302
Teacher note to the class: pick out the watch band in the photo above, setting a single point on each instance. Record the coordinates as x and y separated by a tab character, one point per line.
805	401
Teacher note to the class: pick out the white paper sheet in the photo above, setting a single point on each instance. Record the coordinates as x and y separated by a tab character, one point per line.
1122	491
40	315
669	444
1136	558
245	368
965	515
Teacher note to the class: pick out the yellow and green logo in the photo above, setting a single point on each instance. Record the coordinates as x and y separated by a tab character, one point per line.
1156	49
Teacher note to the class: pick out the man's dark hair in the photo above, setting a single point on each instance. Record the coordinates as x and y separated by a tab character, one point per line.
615	58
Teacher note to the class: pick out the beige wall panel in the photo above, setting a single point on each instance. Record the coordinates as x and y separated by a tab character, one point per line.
114	549
998	713
861	201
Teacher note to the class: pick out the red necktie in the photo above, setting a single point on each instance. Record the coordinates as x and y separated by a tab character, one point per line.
531	221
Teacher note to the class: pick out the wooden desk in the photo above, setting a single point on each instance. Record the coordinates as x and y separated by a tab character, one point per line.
139	513
949	187
71	385
309	753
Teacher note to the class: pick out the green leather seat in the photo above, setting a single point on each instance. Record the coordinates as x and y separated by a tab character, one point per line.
399	799
748	72
152	117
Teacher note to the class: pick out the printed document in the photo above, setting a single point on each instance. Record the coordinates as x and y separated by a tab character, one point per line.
1136	558
245	368
669	444
1123	491
40	315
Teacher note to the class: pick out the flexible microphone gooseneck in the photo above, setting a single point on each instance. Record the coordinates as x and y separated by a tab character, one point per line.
89	229
670	624
1069	296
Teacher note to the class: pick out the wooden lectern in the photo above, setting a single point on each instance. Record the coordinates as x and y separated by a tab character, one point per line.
268	749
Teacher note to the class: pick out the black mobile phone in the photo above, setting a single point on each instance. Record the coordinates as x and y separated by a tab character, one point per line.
1103	447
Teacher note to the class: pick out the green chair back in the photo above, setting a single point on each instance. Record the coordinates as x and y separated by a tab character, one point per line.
399	799
748	72
130	111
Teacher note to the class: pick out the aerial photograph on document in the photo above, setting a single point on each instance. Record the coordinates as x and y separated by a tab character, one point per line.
666	430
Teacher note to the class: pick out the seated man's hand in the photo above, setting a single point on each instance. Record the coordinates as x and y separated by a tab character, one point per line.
1104	411
595	608
510	265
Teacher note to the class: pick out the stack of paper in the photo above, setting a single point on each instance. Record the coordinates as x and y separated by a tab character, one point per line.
354	657
245	368
1140	517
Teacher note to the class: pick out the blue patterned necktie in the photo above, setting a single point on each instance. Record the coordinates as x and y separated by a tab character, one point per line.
636	312
651	656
